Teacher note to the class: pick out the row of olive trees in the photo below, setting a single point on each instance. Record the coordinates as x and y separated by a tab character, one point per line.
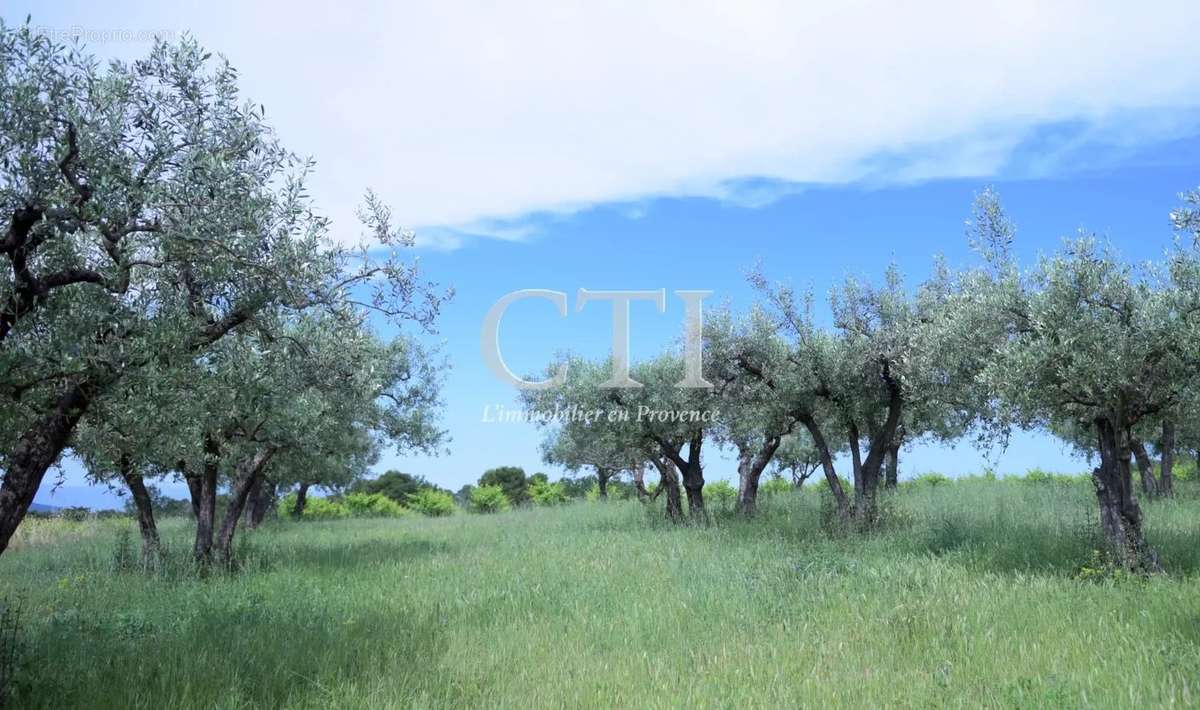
1082	342
171	303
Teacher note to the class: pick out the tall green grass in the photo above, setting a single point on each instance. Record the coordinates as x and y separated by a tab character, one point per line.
966	596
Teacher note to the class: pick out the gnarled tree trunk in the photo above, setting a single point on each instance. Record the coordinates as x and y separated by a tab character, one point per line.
692	472
1145	468
251	497
693	480
866	508
1166	473
145	513
602	476
262	496
639	483
249	473
860	484
695	499
206	519
669	483
831	477
301	501
267	501
195	487
35	451
751	463
891	466
1120	516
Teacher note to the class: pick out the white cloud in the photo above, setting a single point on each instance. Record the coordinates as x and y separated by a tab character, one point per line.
463	114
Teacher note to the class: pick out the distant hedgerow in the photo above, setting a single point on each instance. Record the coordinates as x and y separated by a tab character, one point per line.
314	508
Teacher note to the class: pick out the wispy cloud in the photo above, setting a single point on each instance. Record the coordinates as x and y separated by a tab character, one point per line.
465	116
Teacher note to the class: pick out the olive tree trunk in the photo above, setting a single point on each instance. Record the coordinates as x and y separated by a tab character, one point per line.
856	468
602	476
1166	472
751	463
194	485
35	452
262	497
870	472
669	484
251	498
1145	468
301	501
892	466
207	510
831	477
1120	516
693	476
145	513
639	483
249	472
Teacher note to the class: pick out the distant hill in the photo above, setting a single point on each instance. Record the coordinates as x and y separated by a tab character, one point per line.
43	508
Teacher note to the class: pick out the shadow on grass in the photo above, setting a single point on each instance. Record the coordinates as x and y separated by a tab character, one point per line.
993	528
364	553
1037	546
228	652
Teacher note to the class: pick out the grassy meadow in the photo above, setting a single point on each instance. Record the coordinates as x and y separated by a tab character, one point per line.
975	593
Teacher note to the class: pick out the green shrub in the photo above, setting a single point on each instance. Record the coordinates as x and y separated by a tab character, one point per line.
374	505
719	494
488	499
314	508
1037	475
617	490
546	493
284	506
432	502
325	509
823	485
775	486
930	479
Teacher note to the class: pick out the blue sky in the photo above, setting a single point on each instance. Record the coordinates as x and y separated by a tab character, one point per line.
678	148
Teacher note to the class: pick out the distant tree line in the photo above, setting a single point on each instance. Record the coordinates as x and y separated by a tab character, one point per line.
1099	351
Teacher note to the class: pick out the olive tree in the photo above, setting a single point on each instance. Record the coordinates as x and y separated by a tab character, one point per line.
603	449
578	433
757	412
323	390
589	425
123	440
148	212
1101	345
797	457
897	365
